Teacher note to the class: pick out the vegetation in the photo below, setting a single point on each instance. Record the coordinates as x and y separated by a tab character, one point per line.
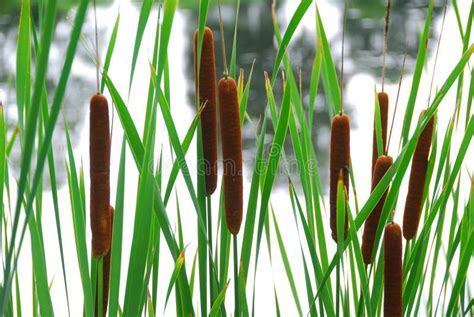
427	275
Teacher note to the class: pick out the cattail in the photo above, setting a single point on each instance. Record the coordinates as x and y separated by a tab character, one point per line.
207	96
340	159
392	275
99	173
381	167
231	153
383	103
416	185
106	271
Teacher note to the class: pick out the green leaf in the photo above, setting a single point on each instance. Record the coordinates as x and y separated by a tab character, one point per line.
328	71
420	60
177	268
461	275
142	21
117	236
219	301
23	62
290	31
110	52
287	265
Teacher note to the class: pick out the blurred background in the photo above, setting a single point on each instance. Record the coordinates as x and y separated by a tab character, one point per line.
255	44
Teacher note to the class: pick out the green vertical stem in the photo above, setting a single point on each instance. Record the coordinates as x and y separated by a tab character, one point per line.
236	278
209	237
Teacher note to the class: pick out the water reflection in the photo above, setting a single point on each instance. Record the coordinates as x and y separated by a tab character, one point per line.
364	46
81	82
364	43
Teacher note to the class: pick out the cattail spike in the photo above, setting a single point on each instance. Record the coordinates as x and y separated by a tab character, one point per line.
372	222
99	172
416	185
392	306
383	103
206	84
231	135
339	159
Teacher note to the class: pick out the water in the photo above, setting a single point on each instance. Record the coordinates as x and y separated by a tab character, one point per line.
255	42
364	45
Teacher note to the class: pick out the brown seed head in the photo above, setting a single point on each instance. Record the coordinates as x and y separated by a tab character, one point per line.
370	229
416	185
207	97
392	271
339	159
231	153
383	103
99	150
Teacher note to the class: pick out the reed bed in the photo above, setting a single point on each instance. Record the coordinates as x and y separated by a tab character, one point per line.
304	273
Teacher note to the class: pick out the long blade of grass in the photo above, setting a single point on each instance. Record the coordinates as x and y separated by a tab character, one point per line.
174	276
117	235
57	102
142	21
219	301
30	134
328	71
420	61
78	210
290	31
23	62
110	52
286	263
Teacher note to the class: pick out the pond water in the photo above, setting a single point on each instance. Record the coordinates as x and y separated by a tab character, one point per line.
363	60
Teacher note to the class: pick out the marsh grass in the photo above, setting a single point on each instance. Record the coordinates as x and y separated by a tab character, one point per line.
335	280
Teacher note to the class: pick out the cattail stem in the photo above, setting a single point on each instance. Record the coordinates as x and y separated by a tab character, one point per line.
206	87
383	106
231	152
392	271
339	159
416	185
236	277
385	38
96	47
99	173
372	222
342	56
398	95
221	26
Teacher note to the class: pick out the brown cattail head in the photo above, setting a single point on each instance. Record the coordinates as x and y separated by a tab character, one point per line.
105	272
231	153
370	229
383	103
416	185
340	159
392	306
207	97
99	150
